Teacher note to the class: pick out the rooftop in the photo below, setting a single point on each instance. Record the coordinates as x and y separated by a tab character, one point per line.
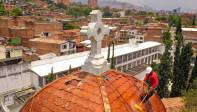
189	29
48	40
62	63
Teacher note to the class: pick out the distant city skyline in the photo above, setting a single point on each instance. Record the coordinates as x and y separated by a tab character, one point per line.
185	5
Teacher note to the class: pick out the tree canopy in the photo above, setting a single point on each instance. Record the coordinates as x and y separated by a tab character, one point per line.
16	11
2	10
165	67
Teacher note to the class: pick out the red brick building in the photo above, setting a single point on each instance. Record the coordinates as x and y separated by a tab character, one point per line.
153	34
65	2
188	18
190	35
93	3
51	45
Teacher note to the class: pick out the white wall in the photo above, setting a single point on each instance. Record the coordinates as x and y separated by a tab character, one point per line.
14	77
15	82
35	80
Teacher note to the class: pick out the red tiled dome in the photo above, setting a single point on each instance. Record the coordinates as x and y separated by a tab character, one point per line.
84	92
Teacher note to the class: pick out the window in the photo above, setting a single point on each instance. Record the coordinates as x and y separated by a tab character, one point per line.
138	62
40	81
130	56
149	50
142	61
72	45
8	54
143	52
46	34
152	49
134	55
119	59
64	46
129	66
124	58
146	51
146	60
124	68
139	53
119	68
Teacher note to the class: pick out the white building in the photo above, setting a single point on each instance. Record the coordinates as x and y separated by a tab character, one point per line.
15	75
127	56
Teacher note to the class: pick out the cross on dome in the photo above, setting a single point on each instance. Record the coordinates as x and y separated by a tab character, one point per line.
95	31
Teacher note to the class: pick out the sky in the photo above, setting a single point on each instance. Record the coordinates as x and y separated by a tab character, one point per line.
185	5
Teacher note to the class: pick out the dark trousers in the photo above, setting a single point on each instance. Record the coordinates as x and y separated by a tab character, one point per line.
148	95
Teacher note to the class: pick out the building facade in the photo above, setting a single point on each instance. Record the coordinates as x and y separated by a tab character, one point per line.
93	3
127	56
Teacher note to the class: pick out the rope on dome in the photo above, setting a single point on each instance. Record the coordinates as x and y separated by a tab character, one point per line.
128	106
106	104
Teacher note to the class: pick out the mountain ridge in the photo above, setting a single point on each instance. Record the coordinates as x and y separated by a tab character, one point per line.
115	4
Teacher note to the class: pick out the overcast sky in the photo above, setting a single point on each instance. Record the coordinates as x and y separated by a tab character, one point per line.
186	5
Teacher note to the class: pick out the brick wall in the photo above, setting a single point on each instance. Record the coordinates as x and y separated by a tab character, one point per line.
47	27
153	34
65	2
190	34
5	23
43	48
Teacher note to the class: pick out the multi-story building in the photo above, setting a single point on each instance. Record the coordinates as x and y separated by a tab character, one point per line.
127	56
93	3
15	76
48	45
65	2
125	35
190	35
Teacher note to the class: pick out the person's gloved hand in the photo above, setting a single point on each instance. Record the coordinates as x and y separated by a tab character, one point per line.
144	89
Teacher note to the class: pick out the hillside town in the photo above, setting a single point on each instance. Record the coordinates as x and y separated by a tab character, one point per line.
67	56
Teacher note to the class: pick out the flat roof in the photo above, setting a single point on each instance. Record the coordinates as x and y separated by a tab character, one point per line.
62	63
189	29
48	40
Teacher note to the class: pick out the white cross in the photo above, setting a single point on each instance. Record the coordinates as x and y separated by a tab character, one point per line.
95	31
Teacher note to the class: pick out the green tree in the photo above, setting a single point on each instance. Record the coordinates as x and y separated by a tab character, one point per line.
193	75
185	62
68	26
129	12
16	11
78	11
194	21
50	77
165	67
113	58
178	25
166	39
155	66
177	72
142	13
108	53
161	18
107	12
70	69
145	21
2	10
172	20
